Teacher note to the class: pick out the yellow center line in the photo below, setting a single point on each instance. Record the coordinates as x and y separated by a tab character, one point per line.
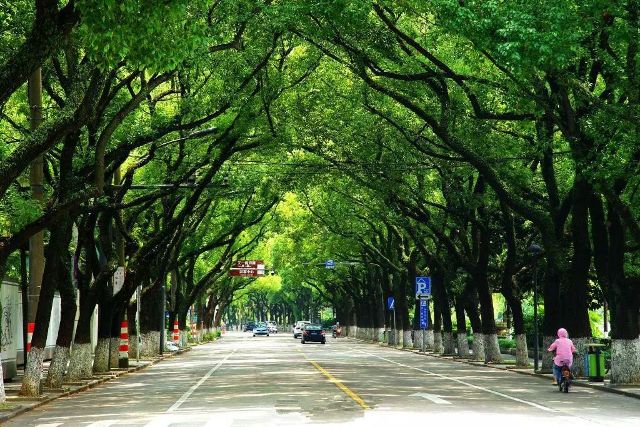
346	390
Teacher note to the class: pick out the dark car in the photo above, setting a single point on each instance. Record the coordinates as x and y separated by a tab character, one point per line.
313	333
249	326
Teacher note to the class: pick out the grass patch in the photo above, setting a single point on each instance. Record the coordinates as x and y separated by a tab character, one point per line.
7	406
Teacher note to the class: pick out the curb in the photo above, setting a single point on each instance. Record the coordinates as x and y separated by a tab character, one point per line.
92	384
509	369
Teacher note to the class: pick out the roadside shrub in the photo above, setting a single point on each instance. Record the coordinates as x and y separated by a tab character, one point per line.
506	344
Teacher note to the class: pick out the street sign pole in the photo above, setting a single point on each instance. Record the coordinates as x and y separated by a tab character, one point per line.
395	331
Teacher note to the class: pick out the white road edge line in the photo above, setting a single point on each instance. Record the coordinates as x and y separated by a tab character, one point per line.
497	393
193	388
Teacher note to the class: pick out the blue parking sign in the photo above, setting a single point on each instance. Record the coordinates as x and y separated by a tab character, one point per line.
423	286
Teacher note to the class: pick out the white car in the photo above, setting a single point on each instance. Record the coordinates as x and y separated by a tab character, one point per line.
297	329
273	327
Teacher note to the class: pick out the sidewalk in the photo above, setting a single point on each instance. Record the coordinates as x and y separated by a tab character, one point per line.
16	405
628	390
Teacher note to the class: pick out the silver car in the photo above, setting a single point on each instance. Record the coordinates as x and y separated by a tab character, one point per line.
297	329
261	329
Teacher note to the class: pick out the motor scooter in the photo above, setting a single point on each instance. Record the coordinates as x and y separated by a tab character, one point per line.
566	378
336	332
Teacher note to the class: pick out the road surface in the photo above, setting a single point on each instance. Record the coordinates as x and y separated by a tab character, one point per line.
276	381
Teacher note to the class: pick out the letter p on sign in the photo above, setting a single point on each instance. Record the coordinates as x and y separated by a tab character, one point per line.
423	286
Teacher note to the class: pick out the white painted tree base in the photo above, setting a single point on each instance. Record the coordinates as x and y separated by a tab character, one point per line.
492	349
150	344
133	346
407	341
547	357
58	366
184	338
578	360
114	352
31	382
429	339
522	353
417	339
81	362
438	346
625	361
478	347
101	356
379	336
448	344
463	345
3	394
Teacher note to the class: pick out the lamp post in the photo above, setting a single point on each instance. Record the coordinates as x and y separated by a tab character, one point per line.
535	250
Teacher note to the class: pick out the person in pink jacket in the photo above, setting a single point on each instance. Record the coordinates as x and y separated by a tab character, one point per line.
564	349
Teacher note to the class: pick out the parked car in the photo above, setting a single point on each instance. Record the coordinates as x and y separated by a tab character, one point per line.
261	329
297	329
273	327
313	333
249	326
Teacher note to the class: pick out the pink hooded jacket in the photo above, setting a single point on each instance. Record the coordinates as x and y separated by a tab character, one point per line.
564	348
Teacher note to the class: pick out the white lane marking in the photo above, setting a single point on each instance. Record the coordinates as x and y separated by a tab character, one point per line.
219	421
193	388
477	387
103	423
163	420
49	425
433	398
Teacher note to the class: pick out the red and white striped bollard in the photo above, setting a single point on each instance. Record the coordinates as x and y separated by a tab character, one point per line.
176	332
123	354
30	328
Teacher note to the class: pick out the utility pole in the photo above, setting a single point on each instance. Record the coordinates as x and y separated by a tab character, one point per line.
123	350
36	181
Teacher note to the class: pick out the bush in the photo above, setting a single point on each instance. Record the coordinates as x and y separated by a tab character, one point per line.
211	336
506	343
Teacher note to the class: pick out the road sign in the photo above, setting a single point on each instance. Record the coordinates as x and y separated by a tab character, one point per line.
330	264
391	303
423	286
247	268
424	318
118	279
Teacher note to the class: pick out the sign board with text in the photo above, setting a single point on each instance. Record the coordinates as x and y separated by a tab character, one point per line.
424	314
247	268
118	279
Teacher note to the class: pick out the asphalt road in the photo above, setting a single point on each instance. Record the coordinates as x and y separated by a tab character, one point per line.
277	381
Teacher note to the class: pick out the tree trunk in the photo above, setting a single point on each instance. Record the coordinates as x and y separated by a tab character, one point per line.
57	255
103	348
151	314
68	310
81	363
461	328
625	304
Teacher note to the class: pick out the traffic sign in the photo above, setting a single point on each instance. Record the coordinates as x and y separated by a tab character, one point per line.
391	303
247	268
330	264
423	286
424	318
118	279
